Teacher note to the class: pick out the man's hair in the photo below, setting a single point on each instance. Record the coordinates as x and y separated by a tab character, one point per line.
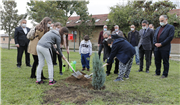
151	24
165	16
133	25
116	26
57	24
109	41
145	21
107	32
22	20
104	26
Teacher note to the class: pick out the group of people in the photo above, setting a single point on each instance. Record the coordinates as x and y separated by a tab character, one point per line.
51	37
47	40
117	46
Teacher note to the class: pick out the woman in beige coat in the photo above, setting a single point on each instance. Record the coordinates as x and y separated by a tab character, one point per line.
41	29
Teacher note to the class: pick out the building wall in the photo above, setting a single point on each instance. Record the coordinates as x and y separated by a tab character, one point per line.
93	38
5	39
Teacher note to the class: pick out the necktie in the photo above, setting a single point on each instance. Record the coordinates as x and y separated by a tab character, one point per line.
144	32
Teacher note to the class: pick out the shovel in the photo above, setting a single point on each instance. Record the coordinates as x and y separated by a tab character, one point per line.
89	76
77	74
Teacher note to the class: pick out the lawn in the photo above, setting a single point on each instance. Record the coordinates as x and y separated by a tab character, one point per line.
141	88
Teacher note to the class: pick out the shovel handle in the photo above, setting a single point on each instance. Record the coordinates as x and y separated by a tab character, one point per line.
104	64
70	65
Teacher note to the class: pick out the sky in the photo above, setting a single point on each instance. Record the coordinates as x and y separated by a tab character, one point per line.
94	7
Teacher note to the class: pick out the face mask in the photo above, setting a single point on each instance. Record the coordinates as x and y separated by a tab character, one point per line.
111	46
105	29
23	25
51	28
48	25
144	27
57	29
116	29
132	29
162	23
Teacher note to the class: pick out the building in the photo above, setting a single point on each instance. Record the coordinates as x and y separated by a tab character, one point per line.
5	39
100	21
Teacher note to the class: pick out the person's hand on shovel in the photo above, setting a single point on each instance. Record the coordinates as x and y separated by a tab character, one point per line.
63	57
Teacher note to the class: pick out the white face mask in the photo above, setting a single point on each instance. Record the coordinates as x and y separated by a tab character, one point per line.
57	29
111	46
51	28
144	27
132	29
48	25
23	25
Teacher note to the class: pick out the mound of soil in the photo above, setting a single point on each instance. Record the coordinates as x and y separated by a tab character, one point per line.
84	82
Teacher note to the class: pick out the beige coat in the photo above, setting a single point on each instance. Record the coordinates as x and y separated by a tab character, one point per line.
33	43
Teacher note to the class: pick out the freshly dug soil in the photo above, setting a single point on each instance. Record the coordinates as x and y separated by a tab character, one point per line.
84	82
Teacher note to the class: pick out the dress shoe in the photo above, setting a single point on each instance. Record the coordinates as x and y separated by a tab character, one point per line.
19	66
147	71
32	76
107	74
139	71
61	73
29	65
163	76
156	75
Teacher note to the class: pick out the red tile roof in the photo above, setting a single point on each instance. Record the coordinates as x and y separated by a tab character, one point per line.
177	11
101	22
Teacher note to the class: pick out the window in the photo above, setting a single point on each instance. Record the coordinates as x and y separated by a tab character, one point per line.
78	21
107	20
3	39
68	22
97	20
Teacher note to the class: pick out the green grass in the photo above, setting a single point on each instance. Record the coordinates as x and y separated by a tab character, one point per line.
142	88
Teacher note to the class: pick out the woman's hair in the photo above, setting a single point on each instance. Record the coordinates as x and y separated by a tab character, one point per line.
57	24
43	25
61	32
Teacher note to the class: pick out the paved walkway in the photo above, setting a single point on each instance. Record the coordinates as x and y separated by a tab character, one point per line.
175	57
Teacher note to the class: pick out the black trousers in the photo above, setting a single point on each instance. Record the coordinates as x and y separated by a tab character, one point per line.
34	66
20	51
100	49
143	52
162	55
59	59
116	66
108	67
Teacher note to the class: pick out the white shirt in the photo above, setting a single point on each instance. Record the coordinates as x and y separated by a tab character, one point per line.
25	30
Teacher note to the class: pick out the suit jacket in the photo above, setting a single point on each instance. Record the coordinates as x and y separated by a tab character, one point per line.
165	38
20	37
137	36
146	40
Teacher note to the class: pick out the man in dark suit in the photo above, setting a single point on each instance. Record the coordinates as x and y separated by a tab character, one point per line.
22	42
162	41
145	45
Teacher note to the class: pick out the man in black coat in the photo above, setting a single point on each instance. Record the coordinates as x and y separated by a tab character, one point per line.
22	42
145	45
162	42
133	38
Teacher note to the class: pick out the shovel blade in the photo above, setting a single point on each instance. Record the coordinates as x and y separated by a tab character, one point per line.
77	75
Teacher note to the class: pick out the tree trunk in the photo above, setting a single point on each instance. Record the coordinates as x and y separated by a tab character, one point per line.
79	37
9	41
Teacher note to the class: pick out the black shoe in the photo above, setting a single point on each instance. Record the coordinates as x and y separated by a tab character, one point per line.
32	76
61	73
163	76
139	71
156	75
29	65
55	64
107	74
115	73
44	78
147	71
19	66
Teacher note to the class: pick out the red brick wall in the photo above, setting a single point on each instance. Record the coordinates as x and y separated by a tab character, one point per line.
175	41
